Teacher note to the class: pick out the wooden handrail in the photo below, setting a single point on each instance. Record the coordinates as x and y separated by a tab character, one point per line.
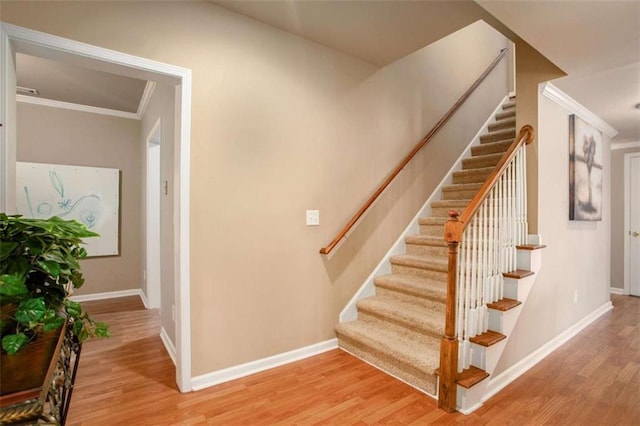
525	136
408	157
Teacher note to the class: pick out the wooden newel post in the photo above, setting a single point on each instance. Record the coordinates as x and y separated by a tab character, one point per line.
449	344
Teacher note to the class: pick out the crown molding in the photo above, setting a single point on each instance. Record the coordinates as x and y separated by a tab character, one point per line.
146	97
625	145
558	96
76	107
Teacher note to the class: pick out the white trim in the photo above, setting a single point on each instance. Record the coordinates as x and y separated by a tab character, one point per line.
521	367
153	255
144	100
181	77
627	219
4	100
616	290
75	107
350	312
625	145
107	295
242	370
558	96
168	345
145	301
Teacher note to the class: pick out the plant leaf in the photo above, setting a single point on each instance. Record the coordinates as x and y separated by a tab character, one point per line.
102	330
6	248
73	308
12	343
50	267
12	286
31	310
53	323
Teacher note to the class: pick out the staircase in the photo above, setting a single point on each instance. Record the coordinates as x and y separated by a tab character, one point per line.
399	329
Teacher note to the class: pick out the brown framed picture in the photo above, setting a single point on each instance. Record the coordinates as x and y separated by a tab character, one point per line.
585	170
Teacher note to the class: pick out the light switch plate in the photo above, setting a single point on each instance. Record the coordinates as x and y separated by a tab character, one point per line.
313	217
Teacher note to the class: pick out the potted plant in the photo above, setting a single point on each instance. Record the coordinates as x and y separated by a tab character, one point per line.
39	269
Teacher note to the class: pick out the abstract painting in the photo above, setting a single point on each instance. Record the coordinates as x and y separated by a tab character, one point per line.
89	195
585	170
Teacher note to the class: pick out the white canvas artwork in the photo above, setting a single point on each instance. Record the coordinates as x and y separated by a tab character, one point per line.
585	170
89	195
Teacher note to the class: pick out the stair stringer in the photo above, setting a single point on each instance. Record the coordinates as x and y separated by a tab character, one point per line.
367	289
486	358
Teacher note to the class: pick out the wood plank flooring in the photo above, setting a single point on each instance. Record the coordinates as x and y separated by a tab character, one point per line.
129	380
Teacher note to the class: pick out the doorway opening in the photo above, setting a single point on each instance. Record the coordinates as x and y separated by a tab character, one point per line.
14	39
632	223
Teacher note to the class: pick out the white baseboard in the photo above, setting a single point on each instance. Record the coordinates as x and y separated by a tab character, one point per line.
616	290
517	370
145	301
107	295
242	370
168	344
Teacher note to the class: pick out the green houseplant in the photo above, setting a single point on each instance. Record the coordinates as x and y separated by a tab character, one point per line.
39	269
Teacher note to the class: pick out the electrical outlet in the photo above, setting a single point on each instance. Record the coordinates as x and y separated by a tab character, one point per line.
313	217
144	274
575	296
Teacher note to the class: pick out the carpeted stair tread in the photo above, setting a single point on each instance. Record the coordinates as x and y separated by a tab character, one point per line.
425	240
412	286
492	147
432	220
480	161
511	112
418	354
420	262
509	105
472	175
502	124
450	203
498	135
425	318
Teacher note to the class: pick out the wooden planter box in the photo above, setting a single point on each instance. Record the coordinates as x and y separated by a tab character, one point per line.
37	382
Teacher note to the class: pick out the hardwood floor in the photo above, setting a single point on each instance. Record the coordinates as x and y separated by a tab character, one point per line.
129	379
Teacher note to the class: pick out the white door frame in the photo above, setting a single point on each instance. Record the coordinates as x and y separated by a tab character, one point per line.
152	214
627	219
28	41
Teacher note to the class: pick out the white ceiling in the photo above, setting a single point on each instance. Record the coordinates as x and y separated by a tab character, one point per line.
61	81
597	43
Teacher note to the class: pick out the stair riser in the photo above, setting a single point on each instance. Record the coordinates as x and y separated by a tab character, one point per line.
415	377
509	106
480	161
427	250
402	329
502	124
511	112
459	195
444	211
432	230
398	294
491	148
462	177
419	272
498	136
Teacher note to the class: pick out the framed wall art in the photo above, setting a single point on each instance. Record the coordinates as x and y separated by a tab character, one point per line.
585	170
89	195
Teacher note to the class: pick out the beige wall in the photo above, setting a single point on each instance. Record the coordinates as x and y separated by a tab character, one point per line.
617	216
58	136
281	125
162	106
577	257
531	69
